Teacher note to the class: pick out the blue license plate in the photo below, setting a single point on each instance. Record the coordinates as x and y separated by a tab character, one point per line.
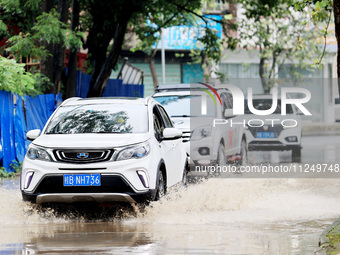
265	135
82	180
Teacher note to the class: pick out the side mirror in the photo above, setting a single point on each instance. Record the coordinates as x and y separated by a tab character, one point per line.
228	113
33	134
171	133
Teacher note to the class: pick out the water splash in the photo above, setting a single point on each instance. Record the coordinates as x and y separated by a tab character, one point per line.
247	200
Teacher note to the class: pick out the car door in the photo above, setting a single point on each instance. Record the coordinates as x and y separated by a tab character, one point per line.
167	147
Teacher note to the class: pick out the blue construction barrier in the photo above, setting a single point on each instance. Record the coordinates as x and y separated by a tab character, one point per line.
7	129
14	125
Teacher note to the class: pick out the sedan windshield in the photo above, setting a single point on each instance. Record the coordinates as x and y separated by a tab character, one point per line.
186	105
99	118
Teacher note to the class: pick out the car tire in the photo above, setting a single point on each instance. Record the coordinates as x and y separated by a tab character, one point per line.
161	186
185	178
220	161
296	154
243	153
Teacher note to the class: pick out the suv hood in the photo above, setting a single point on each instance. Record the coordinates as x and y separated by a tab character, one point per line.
89	140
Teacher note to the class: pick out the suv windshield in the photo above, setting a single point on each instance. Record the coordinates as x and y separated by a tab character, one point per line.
99	118
266	104
186	105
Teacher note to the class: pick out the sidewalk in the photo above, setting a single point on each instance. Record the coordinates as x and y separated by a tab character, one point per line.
330	240
310	129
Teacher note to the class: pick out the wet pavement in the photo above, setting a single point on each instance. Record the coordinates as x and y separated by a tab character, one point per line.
212	216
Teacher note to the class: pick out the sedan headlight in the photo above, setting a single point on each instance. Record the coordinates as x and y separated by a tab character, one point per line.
201	132
38	153
136	151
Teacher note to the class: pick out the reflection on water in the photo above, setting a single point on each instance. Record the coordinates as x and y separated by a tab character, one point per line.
233	216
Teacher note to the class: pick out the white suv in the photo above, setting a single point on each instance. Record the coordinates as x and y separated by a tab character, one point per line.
103	150
274	132
209	138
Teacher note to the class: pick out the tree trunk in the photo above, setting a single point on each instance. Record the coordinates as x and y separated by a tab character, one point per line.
97	47
73	54
336	5
112	58
59	49
153	71
47	62
262	75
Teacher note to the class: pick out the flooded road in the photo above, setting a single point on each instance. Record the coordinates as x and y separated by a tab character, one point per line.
213	216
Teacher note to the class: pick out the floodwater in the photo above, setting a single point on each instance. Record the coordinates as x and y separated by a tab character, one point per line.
211	216
221	216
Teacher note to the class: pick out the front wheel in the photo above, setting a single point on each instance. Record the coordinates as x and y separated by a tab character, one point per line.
243	152
185	177
160	186
220	162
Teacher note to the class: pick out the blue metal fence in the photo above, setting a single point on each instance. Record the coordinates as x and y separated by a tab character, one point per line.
14	125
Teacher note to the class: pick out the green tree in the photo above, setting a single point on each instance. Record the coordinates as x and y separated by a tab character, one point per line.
280	34
38	29
112	21
44	32
322	11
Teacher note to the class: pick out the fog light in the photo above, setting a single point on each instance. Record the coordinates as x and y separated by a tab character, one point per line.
204	151
143	178
291	139
28	179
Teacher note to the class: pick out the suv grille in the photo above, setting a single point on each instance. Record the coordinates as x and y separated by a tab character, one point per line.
83	156
276	129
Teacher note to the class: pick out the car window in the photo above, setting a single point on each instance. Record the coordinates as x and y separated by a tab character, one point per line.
99	118
187	105
165	116
266	104
158	123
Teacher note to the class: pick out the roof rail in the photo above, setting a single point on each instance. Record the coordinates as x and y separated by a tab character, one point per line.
184	86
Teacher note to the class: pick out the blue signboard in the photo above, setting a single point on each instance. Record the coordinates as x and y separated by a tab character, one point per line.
185	37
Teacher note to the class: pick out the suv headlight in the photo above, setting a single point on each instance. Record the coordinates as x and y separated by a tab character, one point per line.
38	153
201	132
290	124
136	151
